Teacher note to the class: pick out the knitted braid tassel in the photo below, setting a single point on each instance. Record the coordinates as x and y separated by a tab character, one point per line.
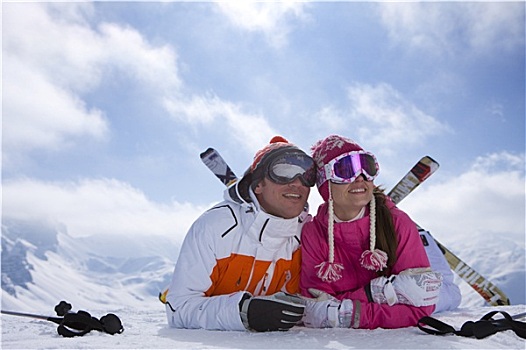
329	271
373	259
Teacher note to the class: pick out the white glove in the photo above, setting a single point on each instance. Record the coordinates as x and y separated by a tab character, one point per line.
325	311
416	287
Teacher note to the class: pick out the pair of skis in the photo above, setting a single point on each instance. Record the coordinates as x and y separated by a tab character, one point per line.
485	288
424	168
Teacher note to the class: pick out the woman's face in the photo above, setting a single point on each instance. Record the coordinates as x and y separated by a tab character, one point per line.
350	198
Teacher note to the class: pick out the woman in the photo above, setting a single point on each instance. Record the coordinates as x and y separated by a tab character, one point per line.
362	258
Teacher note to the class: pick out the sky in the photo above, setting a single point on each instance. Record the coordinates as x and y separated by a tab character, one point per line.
106	106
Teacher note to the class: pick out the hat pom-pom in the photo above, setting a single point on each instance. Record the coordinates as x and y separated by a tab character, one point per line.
278	138
329	272
375	260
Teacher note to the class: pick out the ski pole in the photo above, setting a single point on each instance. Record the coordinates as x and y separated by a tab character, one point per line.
56	320
80	321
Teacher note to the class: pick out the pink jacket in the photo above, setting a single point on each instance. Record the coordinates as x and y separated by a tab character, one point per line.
350	240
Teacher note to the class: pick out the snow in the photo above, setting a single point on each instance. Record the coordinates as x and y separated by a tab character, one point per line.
43	264
147	329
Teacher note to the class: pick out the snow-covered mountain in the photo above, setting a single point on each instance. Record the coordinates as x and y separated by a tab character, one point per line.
43	264
498	257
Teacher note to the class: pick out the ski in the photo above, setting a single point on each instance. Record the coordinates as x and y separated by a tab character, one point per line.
424	168
213	160
489	291
418	174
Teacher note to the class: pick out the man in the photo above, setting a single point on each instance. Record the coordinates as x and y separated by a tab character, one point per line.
240	261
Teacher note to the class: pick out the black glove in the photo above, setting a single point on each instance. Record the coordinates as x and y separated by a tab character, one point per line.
277	312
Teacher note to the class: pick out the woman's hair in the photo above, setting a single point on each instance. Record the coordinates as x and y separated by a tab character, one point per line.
386	238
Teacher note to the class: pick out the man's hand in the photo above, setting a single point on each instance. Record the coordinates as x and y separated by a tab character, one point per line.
277	312
325	311
416	287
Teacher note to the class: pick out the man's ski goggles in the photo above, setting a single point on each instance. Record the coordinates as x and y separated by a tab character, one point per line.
286	168
348	166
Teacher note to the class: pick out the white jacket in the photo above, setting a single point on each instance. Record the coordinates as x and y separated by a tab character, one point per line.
232	248
449	297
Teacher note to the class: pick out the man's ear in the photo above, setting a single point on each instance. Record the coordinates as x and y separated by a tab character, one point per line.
259	187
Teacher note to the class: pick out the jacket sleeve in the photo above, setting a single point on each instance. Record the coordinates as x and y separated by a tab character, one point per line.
410	254
449	297
187	304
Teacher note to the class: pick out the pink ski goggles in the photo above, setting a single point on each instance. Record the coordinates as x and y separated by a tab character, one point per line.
348	166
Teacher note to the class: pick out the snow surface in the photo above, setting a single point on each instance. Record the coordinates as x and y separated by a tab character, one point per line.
147	329
42	264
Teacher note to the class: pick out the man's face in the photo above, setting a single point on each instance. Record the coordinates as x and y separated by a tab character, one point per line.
286	201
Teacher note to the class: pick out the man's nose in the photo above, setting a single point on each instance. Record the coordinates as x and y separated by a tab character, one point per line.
296	182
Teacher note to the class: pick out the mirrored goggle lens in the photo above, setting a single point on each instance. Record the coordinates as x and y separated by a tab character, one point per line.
351	165
289	167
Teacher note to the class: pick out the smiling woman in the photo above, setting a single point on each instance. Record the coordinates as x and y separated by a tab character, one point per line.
362	258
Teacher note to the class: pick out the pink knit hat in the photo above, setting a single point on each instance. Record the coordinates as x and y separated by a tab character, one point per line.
323	152
326	150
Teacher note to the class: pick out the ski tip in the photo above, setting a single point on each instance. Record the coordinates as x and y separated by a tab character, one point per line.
504	302
206	153
432	160
424	168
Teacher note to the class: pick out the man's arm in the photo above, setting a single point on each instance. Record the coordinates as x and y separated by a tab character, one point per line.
450	296
187	304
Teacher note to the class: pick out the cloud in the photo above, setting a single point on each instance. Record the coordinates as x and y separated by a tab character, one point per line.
330	117
269	18
38	114
52	56
386	119
249	130
126	49
455	27
488	198
95	206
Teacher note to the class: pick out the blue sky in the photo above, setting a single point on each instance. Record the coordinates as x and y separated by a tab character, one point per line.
107	105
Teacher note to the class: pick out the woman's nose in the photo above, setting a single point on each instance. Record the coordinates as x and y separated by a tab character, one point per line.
360	178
